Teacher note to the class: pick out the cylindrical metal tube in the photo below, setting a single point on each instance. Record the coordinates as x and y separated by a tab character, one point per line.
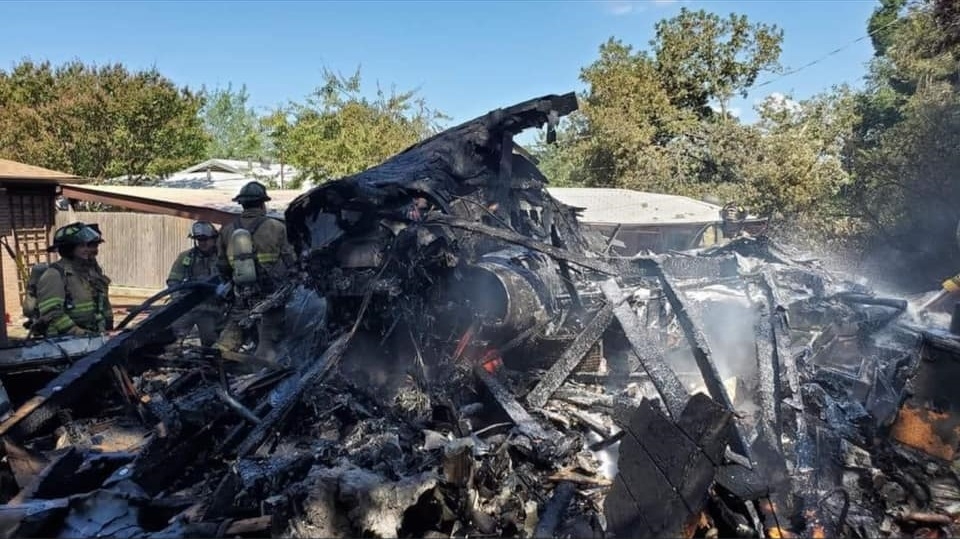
510	291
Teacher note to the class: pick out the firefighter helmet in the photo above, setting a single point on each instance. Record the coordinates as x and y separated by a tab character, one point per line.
252	192
203	229
74	234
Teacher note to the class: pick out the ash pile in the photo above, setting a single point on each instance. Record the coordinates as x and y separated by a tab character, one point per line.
464	359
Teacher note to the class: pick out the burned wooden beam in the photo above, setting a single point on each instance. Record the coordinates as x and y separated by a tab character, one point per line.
313	374
788	386
255	525
572	356
651	357
698	344
47	353
77	380
768	379
519	239
526	424
666	469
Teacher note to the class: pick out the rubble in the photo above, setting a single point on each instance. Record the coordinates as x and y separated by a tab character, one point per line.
464	359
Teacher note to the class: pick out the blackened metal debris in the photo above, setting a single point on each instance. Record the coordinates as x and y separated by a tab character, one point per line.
464	359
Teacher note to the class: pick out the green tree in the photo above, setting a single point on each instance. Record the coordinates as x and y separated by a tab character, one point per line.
903	155
98	122
645	121
337	131
234	128
275	126
882	24
799	170
627	115
947	15
702	57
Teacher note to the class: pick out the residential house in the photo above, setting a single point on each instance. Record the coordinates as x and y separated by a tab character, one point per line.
231	174
648	221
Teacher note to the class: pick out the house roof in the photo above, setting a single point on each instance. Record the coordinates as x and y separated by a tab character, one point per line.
227	174
13	170
209	204
628	207
237	166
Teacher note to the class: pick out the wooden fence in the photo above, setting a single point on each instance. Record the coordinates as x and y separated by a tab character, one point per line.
139	248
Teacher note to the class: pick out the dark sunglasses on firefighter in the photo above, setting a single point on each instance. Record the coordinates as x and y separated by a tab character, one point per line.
204	238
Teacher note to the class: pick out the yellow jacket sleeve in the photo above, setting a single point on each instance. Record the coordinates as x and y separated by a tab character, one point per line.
51	302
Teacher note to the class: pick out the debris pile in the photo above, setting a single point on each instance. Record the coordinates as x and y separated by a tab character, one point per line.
462	361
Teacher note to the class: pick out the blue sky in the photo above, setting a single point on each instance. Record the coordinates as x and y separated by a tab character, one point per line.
465	57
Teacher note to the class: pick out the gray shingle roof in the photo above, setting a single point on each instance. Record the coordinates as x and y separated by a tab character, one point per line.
605	205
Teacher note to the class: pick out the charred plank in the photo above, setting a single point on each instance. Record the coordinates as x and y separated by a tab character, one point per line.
698	343
651	358
571	357
75	381
666	469
313	374
525	423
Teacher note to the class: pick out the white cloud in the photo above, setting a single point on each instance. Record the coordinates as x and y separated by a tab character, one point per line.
620	7
625	7
778	102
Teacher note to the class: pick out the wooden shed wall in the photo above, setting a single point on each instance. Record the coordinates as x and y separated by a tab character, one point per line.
139	248
26	221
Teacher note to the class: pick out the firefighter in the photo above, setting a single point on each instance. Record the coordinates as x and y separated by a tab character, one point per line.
98	273
254	257
199	263
949	289
71	299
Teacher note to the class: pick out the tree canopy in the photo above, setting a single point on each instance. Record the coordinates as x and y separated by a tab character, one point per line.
338	131
98	122
234	127
872	170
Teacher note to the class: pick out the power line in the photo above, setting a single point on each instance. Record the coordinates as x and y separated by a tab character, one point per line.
828	55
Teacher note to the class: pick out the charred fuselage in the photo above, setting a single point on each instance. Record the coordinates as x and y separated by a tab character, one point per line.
377	233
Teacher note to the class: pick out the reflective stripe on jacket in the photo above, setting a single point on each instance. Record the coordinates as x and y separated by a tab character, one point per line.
75	299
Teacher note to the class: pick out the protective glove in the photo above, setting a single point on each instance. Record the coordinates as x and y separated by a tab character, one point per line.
78	331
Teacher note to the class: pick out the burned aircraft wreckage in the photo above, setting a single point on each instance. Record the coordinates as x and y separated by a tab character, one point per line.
465	359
